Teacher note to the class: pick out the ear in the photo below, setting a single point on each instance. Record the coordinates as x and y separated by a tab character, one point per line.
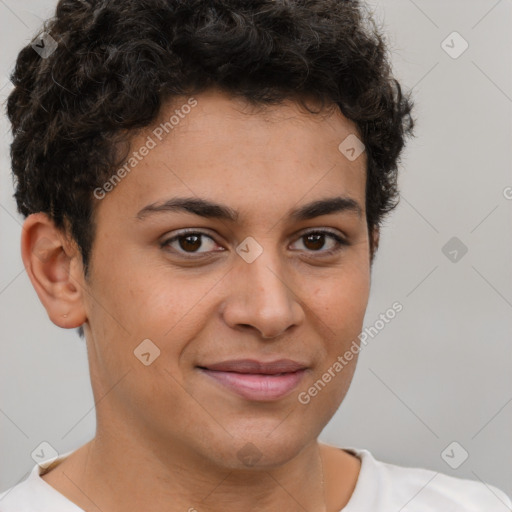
54	266
375	239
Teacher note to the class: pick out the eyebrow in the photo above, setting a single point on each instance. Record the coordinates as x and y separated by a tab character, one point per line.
211	210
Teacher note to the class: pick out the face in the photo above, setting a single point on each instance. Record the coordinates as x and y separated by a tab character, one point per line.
224	292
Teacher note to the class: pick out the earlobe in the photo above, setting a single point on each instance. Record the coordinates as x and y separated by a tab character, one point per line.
375	242
53	265
376	239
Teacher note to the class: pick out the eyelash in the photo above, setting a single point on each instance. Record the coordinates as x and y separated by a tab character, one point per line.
341	242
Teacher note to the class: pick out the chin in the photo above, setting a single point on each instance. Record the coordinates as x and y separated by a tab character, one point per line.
262	453
261	445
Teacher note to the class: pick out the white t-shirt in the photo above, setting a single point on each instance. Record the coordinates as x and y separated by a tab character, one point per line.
381	487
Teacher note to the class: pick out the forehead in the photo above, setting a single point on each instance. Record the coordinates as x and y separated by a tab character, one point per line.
218	147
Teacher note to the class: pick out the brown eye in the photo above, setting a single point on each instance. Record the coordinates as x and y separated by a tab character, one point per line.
190	243
315	241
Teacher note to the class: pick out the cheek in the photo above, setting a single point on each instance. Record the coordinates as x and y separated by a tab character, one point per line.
150	301
342	300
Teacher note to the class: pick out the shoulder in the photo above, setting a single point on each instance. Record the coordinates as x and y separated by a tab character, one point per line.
34	494
19	497
414	489
435	489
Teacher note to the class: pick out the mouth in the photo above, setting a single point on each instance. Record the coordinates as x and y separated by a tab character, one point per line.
257	380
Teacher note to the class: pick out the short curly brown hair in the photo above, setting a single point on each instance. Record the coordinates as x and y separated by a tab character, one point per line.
117	61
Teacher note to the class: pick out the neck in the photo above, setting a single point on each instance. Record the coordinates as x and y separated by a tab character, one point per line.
112	477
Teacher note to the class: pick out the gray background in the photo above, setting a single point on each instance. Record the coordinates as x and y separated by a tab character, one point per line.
441	371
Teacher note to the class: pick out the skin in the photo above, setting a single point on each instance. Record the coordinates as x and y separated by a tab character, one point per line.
182	428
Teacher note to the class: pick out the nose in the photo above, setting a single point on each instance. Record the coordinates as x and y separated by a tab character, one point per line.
263	296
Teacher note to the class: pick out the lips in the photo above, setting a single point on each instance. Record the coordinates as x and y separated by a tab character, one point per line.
257	380
257	367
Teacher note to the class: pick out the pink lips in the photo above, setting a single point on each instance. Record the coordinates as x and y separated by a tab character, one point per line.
256	380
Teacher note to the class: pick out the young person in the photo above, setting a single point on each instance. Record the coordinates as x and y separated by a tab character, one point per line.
203	184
